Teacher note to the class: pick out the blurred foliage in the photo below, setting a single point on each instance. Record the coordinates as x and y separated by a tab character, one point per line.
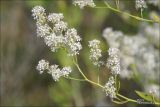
61	93
21	84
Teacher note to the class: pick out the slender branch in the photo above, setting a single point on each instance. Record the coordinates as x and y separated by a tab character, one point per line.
130	15
142	13
128	99
80	71
98	79
98	72
117	4
119	102
97	84
76	79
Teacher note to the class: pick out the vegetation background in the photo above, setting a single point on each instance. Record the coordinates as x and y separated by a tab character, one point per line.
21	83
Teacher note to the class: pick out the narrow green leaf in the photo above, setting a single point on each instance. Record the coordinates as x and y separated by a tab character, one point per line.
119	102
145	96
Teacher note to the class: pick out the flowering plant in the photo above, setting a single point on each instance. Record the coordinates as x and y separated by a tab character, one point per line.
123	56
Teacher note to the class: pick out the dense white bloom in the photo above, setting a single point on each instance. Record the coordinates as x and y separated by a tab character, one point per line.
54	42
72	35
43	30
113	52
51	40
141	4
55	72
37	11
112	37
74	48
66	71
113	62
60	26
95	52
59	36
152	32
83	3
42	65
55	17
72	41
127	44
138	53
110	88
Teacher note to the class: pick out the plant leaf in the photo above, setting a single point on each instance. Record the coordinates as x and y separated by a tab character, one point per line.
145	96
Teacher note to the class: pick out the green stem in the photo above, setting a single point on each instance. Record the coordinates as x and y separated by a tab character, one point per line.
98	78
117	4
128	99
98	75
141	13
94	83
99	85
119	102
80	71
76	79
125	13
76	64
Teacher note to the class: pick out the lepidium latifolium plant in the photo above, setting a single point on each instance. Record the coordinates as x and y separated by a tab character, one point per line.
128	56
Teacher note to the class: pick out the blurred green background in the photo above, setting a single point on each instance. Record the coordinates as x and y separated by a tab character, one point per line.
21	83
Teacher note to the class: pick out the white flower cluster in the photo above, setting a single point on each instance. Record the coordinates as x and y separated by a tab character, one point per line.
152	32
83	3
55	17
72	41
95	52
39	13
58	36
113	36
139	51
110	88
113	62
42	66
53	70
141	4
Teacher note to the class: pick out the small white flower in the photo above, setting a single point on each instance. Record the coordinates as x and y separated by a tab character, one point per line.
110	88
50	40
66	71
74	48
95	52
37	11
141	4
60	26
113	52
42	65
71	35
72	41
60	36
55	17
54	42
43	30
83	3
112	37
55	72
113	62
